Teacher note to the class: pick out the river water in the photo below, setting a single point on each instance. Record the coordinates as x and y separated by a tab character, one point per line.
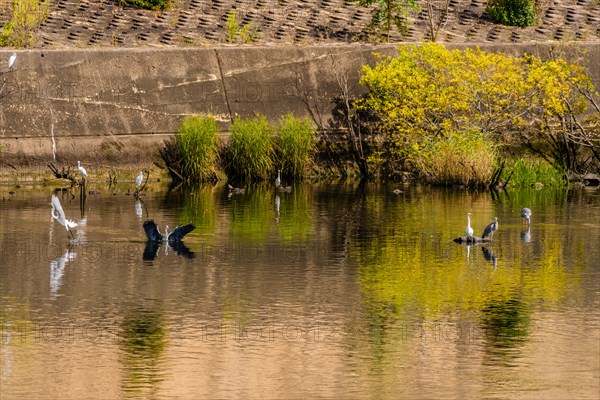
330	291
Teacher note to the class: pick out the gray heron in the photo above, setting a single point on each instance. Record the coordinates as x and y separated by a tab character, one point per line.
490	229
278	179
526	215
58	214
469	230
235	190
11	60
154	235
139	179
82	170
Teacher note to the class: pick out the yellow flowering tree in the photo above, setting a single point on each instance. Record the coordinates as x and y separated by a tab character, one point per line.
428	94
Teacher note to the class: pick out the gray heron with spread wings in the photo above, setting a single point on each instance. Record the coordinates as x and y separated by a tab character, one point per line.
156	238
154	235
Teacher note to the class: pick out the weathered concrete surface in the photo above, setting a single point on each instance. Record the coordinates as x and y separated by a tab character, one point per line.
118	105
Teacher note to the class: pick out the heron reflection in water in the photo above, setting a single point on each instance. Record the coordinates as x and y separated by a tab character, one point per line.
489	256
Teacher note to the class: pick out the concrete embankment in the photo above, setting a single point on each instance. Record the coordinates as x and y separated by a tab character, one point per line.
114	106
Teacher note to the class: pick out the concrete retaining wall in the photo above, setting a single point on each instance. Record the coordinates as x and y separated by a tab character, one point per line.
118	105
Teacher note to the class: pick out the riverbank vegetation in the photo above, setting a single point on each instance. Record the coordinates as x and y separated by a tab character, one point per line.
254	152
446	117
476	108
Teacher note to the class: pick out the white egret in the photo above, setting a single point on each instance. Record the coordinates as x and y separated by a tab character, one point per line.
58	214
154	235
278	179
11	60
139	179
82	170
526	215
469	230
490	229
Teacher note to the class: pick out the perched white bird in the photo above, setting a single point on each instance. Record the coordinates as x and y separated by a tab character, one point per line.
469	230
278	179
12	60
139	179
81	169
59	215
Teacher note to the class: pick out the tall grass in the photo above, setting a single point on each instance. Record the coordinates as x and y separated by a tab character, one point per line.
530	171
251	149
464	158
193	155
295	145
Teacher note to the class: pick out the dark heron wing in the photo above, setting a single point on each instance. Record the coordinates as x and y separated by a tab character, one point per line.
151	250
488	230
179	232
152	232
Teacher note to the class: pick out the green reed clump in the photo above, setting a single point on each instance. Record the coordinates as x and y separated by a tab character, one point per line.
295	145
251	149
531	171
193	155
461	158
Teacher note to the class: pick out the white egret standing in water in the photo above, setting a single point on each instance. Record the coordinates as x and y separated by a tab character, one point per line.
58	214
11	60
82	170
278	179
139	179
469	230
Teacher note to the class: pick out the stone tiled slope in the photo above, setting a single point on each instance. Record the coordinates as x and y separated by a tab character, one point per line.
84	23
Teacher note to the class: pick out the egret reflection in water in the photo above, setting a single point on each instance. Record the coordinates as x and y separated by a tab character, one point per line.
57	270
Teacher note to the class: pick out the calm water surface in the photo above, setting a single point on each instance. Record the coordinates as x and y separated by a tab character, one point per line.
333	290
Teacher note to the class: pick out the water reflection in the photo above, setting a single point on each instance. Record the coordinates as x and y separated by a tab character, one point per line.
488	254
526	234
143	341
152	247
355	292
507	326
57	270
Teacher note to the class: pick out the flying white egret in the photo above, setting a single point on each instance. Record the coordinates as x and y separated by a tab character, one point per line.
469	230
490	229
139	179
154	235
11	60
58	214
526	215
82	170
278	179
